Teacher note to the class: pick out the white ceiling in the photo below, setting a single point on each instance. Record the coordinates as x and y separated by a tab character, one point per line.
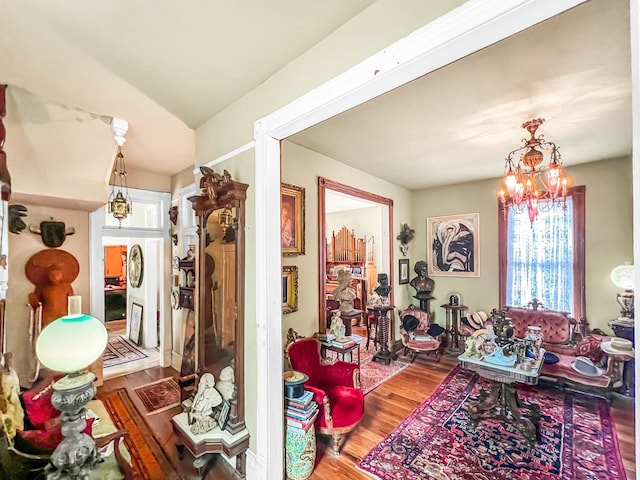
72	65
164	66
459	123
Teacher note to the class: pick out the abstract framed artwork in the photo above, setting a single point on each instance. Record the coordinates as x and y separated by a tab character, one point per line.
403	271
292	219
289	289
135	327
453	245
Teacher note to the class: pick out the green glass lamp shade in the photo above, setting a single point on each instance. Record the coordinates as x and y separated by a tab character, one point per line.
71	343
623	277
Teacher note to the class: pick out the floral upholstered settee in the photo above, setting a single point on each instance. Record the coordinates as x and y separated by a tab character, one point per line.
567	338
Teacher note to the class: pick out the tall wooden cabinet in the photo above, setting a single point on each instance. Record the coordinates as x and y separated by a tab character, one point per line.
219	311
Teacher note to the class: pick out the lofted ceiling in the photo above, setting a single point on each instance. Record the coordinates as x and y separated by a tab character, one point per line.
164	66
73	65
458	123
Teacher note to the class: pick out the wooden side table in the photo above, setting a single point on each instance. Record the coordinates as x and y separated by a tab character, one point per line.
626	330
341	352
452	328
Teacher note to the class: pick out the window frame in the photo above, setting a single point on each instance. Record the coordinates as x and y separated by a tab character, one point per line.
577	195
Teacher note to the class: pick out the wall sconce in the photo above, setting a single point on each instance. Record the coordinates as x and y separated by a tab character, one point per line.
119	200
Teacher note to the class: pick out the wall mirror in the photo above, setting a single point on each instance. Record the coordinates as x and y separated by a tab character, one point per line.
220	215
340	206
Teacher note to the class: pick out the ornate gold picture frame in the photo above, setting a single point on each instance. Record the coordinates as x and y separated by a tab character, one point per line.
292	219
289	289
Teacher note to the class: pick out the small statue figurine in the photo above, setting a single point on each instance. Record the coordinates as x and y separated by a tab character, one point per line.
422	284
201	415
225	384
383	287
337	325
470	347
343	294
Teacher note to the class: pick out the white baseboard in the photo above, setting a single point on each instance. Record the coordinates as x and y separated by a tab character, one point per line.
176	361
254	470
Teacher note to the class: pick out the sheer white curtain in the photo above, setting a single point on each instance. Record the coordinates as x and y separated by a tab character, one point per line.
540	258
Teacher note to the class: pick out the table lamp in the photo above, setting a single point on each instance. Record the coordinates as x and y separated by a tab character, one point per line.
623	277
69	345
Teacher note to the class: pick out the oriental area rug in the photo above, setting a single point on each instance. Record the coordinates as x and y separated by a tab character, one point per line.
119	350
373	374
147	457
159	395
577	440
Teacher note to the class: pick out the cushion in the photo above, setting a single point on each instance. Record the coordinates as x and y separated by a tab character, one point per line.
37	406
44	441
590	348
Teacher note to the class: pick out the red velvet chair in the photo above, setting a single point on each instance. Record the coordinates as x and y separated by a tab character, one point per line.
335	386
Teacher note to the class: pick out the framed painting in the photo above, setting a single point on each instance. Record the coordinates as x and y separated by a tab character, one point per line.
452	243
223	417
289	289
292	219
403	271
135	327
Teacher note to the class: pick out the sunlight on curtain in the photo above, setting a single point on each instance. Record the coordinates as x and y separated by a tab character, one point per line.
540	258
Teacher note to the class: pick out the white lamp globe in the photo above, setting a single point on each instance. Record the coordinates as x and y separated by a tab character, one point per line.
71	343
623	277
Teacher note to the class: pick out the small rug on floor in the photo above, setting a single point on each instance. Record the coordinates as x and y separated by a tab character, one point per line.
373	374
159	395
437	441
148	459
119	350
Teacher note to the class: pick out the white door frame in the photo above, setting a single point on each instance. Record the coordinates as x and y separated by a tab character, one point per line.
468	28
158	272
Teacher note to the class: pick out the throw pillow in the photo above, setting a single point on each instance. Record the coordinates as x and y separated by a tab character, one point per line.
590	348
37	404
44	441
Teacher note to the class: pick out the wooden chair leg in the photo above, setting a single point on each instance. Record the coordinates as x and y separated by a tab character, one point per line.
337	443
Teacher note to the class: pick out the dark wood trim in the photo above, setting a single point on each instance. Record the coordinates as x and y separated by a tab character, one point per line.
326	184
577	195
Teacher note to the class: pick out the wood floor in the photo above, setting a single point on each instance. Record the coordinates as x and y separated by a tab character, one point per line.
386	407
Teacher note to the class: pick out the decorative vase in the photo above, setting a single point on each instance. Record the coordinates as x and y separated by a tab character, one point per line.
535	336
300	453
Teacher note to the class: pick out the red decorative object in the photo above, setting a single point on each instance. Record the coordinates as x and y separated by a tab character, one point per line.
438	441
336	389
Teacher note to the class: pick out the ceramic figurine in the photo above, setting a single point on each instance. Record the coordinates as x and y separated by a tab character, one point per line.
337	325
470	347
201	414
225	384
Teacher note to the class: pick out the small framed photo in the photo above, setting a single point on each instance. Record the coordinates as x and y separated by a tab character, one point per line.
452	245
223	418
289	289
135	326
292	219
403	271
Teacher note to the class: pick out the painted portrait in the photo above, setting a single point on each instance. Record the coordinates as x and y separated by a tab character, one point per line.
292	219
452	243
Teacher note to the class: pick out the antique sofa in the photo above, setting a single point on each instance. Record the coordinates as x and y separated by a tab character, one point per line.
567	338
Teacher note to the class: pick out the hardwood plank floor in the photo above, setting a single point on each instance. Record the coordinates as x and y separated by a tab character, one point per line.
386	407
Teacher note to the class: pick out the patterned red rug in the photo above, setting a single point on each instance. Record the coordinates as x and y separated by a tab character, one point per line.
159	395
437	441
119	350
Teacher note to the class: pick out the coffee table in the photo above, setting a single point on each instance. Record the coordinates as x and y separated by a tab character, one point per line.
501	401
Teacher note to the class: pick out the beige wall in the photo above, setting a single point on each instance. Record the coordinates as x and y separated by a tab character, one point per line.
302	167
608	236
21	248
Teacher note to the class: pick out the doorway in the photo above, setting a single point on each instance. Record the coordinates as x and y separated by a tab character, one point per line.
341	209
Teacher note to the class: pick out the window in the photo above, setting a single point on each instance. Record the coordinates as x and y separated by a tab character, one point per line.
544	260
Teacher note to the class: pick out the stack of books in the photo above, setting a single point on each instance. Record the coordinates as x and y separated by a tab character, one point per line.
300	413
343	342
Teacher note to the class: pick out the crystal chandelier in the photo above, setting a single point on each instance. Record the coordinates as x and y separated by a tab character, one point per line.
119	200
521	177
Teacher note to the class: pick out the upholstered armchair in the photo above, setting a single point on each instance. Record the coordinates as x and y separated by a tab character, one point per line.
335	386
418	335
